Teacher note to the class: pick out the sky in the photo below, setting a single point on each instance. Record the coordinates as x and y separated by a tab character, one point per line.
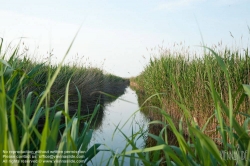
121	36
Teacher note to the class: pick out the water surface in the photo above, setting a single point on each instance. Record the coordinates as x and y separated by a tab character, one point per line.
118	113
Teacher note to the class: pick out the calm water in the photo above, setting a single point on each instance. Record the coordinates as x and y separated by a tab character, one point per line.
117	113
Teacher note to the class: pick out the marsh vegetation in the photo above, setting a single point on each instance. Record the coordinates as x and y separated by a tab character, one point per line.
205	96
52	107
198	108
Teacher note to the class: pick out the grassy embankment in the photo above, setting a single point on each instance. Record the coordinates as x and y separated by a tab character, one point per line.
47	108
26	96
198	97
192	84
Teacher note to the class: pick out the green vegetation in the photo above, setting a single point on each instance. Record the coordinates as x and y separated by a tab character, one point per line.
203	102
191	88
46	108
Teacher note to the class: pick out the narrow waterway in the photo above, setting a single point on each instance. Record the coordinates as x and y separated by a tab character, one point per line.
119	114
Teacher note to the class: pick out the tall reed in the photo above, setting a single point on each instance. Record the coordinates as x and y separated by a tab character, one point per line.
226	97
42	110
191	75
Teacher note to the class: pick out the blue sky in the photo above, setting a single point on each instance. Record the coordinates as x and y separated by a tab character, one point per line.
118	35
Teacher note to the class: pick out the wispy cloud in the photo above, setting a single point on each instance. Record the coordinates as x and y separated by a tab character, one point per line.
173	5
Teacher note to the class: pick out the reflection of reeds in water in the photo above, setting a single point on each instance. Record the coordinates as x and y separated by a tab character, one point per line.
153	114
113	91
39	103
89	82
93	85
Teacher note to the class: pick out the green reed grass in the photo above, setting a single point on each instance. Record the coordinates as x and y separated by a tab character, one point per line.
29	121
191	77
215	86
222	82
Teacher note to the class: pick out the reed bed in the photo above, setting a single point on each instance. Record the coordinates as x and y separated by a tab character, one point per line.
88	81
50	109
192	88
191	98
175	87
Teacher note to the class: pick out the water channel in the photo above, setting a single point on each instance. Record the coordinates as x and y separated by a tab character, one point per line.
116	114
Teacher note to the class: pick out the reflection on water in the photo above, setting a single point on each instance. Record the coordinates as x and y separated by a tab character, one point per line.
153	114
116	114
109	92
